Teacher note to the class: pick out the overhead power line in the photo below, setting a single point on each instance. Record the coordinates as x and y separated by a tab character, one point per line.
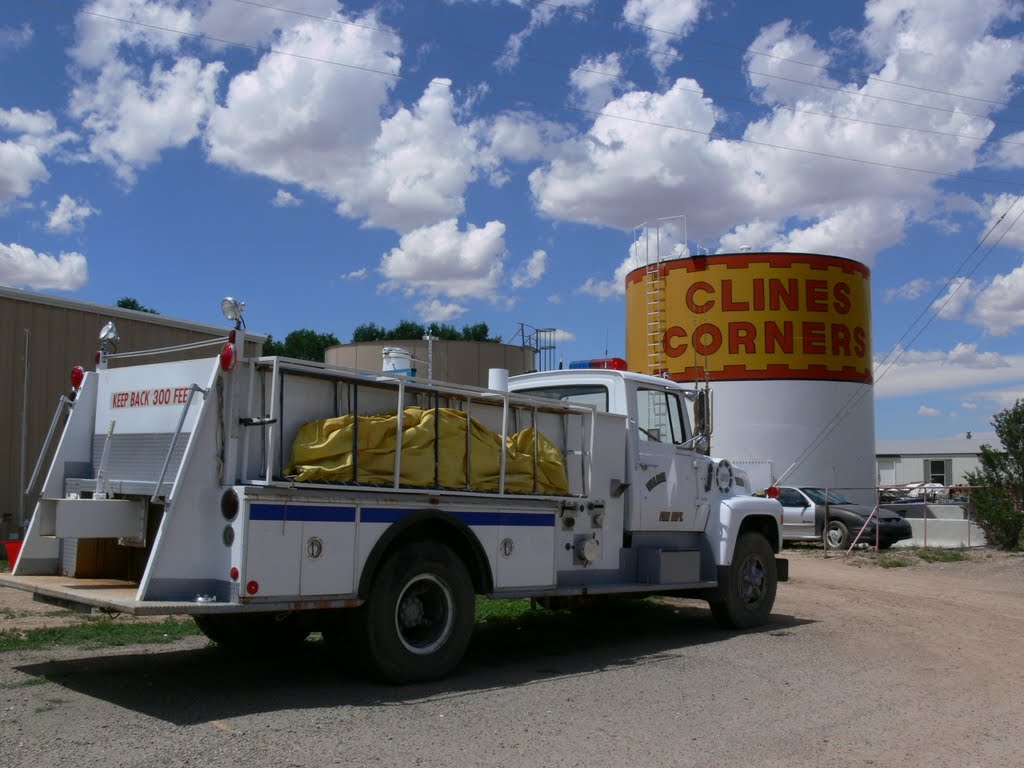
753	51
626	79
520	99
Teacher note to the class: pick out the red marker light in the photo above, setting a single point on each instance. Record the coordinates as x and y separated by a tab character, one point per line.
252	587
772	492
227	357
233	573
77	377
231	337
611	363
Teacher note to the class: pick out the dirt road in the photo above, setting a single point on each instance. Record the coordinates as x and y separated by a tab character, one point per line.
916	666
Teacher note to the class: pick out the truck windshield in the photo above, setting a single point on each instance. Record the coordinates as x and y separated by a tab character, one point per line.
587	394
821	496
659	415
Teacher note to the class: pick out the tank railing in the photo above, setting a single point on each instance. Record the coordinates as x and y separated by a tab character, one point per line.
64	400
167	350
279	368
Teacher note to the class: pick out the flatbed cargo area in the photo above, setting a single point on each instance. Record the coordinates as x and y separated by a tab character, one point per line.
118	596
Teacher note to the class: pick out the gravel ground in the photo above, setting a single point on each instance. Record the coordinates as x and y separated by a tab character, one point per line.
916	666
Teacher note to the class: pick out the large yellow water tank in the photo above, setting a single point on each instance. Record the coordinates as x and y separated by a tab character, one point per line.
786	340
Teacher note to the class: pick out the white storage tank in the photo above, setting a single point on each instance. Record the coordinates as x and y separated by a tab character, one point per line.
785	339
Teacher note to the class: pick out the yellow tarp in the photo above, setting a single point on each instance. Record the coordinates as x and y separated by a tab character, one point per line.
322	451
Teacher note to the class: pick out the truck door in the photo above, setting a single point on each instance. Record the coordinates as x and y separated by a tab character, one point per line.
665	473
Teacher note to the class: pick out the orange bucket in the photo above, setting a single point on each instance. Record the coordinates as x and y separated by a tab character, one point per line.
13	550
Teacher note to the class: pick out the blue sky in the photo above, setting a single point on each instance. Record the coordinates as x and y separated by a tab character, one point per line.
465	161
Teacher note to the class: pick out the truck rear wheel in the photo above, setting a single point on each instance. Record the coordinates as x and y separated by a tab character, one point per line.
253	632
420	613
746	599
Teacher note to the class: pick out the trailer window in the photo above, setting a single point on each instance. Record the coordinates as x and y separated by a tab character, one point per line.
659	414
588	394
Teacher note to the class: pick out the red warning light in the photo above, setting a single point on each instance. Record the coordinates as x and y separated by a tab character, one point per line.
252	587
77	377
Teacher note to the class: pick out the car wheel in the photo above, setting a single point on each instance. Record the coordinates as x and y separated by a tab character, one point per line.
837	535
750	592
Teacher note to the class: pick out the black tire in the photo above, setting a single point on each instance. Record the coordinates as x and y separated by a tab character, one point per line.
749	592
254	632
837	535
419	617
884	544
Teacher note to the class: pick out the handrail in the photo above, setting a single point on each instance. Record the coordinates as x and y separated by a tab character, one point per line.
174	440
167	350
63	400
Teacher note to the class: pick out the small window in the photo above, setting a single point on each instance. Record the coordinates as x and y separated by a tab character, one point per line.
937	471
596	396
789	497
659	415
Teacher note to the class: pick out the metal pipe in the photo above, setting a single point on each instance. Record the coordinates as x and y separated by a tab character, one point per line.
24	435
174	440
64	399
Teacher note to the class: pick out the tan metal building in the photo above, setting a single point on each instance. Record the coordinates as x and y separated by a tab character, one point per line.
458	362
44	337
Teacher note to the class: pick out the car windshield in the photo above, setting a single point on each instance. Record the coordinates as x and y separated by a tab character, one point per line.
821	496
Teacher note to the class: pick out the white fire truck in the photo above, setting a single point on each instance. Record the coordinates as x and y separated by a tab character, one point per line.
171	490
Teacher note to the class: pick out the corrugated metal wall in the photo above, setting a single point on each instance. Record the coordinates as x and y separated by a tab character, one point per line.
46	336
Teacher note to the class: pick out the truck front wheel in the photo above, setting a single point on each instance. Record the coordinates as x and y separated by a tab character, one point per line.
748	594
420	613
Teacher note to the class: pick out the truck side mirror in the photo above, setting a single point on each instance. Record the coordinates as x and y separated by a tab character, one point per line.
703	415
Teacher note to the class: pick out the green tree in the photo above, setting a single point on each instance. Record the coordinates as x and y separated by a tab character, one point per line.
407	330
303	344
127	302
999	505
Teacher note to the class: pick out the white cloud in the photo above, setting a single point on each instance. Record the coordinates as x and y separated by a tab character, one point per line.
935	370
443	260
661	153
14	38
531	270
910	290
968	405
131	119
356	274
1002	220
925	410
999	306
285	199
21	267
437	311
541	15
69	215
662	21
951	305
555	298
596	81
788	60
561	336
21	158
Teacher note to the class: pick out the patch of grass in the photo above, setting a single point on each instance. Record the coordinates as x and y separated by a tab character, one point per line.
931	555
490	610
99	634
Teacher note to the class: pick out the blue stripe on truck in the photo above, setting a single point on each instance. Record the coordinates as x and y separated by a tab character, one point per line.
332	514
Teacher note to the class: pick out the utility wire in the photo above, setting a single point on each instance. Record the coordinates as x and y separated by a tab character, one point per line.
898	348
479	9
560	107
735	47
626	79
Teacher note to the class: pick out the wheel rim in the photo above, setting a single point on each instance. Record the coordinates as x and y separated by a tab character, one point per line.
424	614
834	536
752	580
